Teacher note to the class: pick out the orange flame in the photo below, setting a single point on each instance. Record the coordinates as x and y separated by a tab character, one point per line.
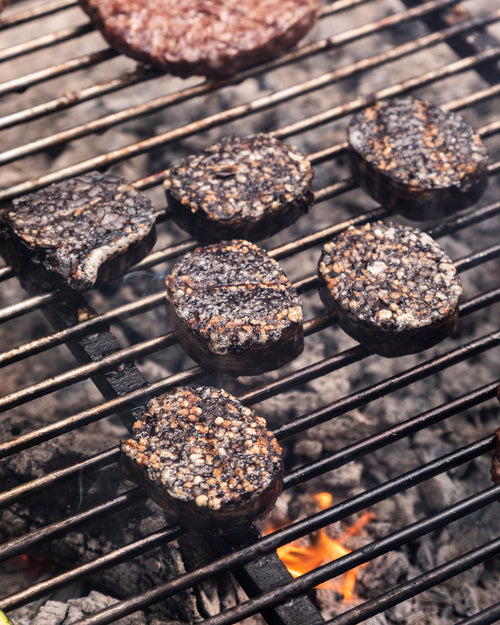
300	558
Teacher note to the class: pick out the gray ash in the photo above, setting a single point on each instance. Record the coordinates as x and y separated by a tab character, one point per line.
82	231
416	158
201	447
240	187
233	308
390	280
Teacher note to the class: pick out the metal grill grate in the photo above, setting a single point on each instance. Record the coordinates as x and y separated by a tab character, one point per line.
92	100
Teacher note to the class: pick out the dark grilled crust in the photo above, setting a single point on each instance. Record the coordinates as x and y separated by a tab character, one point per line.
3	4
205	458
248	188
391	287
79	233
233	310
205	37
417	159
495	464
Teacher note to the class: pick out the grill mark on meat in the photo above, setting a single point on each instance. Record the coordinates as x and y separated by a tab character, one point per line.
233	309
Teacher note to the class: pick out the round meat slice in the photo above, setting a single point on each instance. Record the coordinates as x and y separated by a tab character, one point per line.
215	38
206	459
495	464
233	309
240	188
391	287
417	159
80	233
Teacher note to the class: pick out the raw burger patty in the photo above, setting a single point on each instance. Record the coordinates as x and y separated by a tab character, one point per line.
417	159
391	287
208	37
80	232
206	459
232	309
240	188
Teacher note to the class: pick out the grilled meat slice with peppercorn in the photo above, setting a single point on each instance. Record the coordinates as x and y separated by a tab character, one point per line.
416	158
206	459
78	233
233	309
495	463
205	37
391	287
248	188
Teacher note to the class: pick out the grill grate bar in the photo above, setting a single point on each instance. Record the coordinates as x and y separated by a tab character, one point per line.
392	91
35	45
21	17
82	62
280	97
418	584
143	73
252	552
113	558
304	527
21	545
312	523
146	73
104	123
489	616
56	477
466	219
296	477
379	389
304	375
345	563
378	441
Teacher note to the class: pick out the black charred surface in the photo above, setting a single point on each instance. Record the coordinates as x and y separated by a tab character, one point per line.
248	188
233	309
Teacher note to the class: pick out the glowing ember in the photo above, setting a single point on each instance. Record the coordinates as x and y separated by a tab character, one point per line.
301	557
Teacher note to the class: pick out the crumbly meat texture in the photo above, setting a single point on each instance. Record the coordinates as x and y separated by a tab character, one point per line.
495	464
208	37
80	232
233	309
205	458
416	158
249	187
392	287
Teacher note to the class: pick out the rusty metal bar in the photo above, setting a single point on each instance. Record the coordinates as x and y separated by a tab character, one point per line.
271	100
151	106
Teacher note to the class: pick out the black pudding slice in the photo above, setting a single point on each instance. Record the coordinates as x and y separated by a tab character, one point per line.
233	309
417	159
206	459
240	188
80	233
391	287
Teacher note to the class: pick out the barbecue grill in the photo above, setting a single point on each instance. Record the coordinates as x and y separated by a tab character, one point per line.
71	105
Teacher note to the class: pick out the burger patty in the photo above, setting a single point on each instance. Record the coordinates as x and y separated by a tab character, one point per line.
78	233
207	37
233	309
417	159
206	459
391	287
248	188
